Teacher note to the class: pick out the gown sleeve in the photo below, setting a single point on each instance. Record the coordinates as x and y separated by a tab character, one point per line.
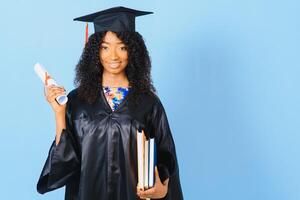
166	154
63	161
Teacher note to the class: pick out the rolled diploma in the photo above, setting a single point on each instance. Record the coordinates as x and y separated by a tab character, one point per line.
45	77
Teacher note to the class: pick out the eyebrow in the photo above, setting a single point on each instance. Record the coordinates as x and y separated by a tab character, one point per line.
110	43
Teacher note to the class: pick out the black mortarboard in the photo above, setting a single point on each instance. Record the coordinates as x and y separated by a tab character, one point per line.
115	19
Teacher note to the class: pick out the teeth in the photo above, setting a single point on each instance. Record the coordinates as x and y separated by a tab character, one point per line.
114	65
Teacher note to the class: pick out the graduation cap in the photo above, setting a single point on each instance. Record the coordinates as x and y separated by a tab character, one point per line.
116	19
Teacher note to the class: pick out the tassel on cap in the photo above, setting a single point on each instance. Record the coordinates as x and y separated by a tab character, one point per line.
86	33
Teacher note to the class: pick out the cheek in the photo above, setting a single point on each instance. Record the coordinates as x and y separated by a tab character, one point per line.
102	55
103	58
124	56
124	59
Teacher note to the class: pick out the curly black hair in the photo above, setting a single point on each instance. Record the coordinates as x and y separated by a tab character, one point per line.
89	69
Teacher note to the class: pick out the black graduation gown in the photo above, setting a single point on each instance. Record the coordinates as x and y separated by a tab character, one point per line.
96	157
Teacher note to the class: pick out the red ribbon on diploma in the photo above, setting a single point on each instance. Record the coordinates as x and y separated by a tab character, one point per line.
47	77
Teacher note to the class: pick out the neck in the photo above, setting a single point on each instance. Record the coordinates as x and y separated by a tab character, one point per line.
114	80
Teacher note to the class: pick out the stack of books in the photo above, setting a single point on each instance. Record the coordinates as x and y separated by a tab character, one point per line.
146	154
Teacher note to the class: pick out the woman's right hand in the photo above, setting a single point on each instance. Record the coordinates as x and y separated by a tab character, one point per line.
51	92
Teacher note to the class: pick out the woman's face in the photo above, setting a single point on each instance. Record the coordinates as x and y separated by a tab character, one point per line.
113	54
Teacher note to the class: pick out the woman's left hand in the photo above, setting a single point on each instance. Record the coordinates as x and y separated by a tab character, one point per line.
159	190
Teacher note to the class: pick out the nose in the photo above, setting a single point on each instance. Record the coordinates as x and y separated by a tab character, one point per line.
114	55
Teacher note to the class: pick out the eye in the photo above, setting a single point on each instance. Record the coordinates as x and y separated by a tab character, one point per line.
104	47
124	48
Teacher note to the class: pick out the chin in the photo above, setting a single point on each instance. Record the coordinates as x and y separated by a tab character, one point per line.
118	70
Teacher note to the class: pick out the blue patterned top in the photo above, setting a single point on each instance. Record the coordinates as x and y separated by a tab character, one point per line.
115	95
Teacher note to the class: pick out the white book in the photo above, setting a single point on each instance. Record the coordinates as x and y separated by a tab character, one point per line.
146	165
144	159
140	158
152	162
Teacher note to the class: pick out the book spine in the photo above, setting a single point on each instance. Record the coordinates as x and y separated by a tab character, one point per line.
152	162
140	159
146	165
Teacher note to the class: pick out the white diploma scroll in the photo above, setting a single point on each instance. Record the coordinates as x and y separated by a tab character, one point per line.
48	80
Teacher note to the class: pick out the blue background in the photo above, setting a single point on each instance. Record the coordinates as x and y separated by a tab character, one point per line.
227	73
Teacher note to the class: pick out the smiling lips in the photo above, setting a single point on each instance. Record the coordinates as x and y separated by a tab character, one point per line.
114	64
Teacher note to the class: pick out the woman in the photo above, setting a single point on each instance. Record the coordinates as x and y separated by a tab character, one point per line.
94	152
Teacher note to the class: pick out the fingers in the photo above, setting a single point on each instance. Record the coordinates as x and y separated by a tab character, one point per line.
147	193
158	191
54	88
51	92
153	193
